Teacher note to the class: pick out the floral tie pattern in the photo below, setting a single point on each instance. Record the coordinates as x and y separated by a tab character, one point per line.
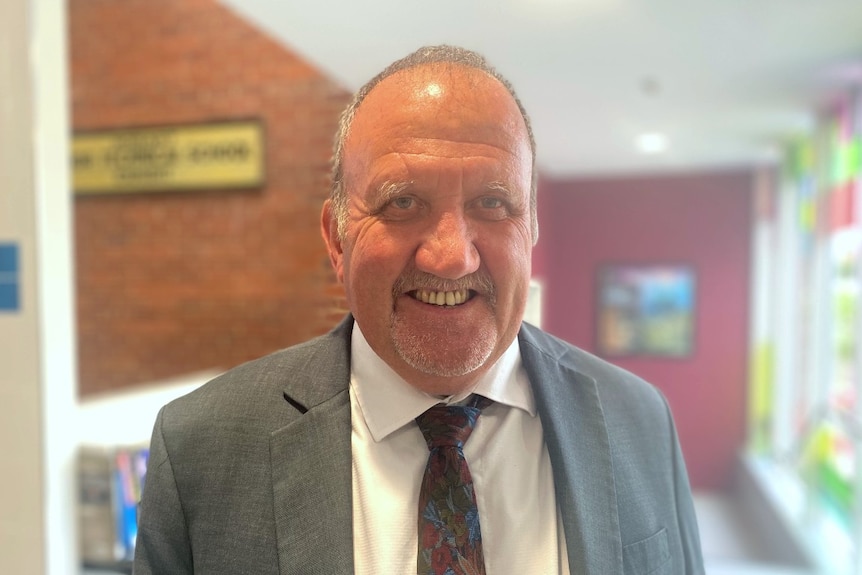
450	541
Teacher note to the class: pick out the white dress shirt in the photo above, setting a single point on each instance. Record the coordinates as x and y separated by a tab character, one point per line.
508	459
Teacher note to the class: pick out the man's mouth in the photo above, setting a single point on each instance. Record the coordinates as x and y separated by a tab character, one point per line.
442	298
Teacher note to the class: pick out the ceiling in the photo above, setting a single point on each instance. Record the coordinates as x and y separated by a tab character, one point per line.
725	81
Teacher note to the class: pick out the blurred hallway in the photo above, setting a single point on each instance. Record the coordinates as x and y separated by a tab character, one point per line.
730	545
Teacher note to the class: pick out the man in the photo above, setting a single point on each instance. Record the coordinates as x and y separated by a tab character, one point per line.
310	461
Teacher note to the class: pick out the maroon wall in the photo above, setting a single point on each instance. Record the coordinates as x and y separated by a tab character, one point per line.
702	220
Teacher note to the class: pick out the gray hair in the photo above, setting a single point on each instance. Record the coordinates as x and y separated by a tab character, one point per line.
426	55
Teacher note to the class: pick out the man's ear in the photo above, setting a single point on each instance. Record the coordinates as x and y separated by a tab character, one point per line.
329	230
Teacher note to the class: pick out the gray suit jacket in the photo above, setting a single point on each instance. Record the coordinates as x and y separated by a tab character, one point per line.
251	473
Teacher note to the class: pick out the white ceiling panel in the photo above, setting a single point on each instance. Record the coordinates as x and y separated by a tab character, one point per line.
726	81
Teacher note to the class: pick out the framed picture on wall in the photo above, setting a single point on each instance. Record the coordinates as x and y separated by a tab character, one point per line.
645	310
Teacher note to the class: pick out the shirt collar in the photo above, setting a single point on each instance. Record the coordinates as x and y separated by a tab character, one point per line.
388	402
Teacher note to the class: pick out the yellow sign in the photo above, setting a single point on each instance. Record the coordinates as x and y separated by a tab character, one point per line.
201	157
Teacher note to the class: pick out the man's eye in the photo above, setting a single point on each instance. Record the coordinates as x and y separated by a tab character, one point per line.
403	203
491	203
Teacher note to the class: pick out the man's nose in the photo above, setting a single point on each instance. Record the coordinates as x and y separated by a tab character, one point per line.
448	251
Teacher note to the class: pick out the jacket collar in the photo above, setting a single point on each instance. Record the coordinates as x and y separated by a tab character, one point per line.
577	438
311	463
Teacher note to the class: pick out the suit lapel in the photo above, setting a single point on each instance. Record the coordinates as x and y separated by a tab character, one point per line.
577	440
311	466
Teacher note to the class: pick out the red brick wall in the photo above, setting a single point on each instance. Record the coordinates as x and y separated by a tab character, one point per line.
171	283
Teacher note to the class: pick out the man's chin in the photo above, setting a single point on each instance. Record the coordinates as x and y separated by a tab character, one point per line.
434	368
433	357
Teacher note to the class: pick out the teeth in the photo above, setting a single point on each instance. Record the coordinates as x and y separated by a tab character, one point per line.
442	297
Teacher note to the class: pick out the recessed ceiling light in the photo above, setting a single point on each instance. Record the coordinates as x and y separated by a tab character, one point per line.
650	86
652	143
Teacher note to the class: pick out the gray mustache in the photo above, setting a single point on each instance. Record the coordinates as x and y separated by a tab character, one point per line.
414	280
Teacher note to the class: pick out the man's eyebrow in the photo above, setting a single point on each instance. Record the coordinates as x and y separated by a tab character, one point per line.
499	187
388	190
511	194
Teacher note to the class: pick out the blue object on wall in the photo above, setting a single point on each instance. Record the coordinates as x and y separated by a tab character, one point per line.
10	278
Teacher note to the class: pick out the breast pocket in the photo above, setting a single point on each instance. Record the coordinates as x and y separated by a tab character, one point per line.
650	556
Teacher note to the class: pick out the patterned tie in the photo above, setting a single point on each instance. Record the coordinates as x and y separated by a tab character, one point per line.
450	542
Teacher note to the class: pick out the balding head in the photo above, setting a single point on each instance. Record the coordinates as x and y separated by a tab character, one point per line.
451	56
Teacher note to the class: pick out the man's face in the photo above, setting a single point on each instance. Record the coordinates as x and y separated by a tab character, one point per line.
436	256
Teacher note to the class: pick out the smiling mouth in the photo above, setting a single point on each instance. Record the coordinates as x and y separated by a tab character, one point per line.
442	298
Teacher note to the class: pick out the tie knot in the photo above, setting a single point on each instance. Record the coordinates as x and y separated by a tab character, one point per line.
450	425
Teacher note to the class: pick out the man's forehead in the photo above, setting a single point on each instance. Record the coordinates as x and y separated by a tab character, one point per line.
440	100
437	80
436	110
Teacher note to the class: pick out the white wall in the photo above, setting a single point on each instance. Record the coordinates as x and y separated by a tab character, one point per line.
37	350
125	418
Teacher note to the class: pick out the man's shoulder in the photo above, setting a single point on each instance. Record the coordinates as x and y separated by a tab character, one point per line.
610	379
253	387
281	364
565	374
569	355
